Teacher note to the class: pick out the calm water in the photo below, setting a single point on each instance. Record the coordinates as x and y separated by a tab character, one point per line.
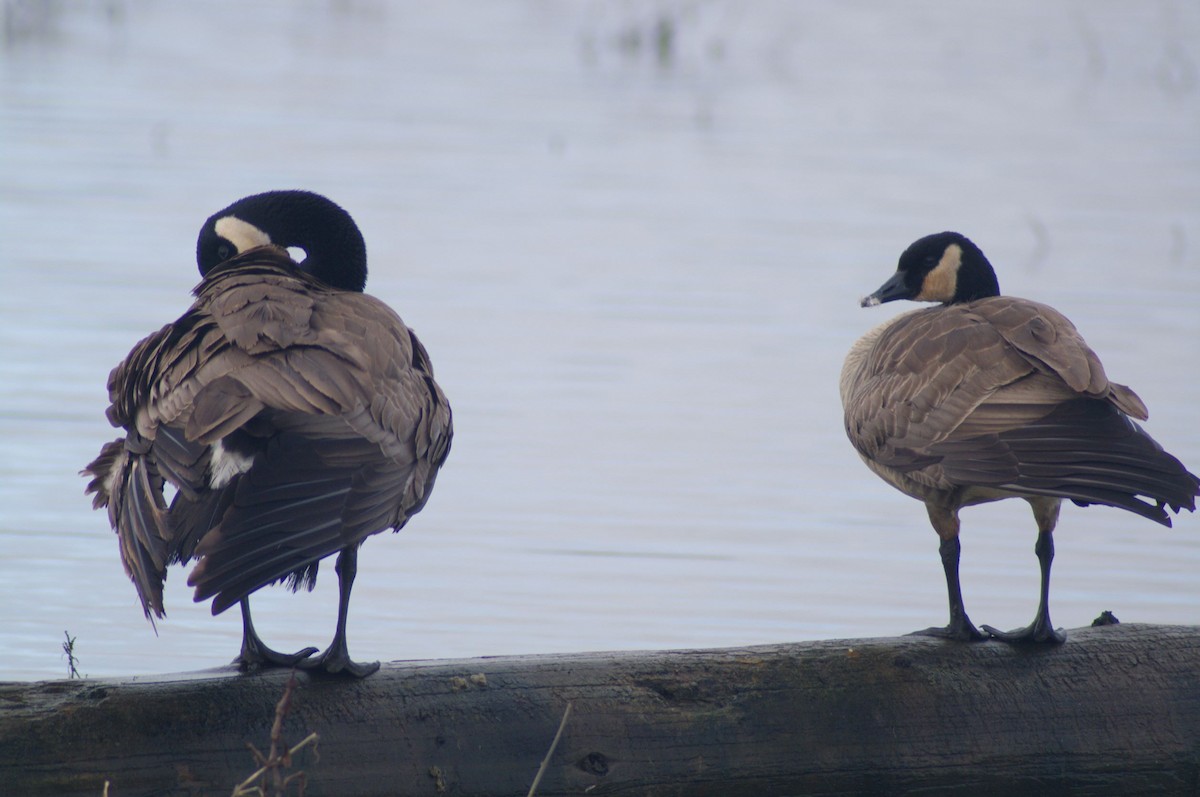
632	236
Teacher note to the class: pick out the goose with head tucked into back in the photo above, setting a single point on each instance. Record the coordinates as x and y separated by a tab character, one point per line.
986	397
293	415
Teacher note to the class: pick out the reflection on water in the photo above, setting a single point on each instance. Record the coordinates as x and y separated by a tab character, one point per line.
632	237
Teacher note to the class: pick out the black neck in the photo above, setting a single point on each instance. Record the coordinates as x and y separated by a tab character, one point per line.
976	277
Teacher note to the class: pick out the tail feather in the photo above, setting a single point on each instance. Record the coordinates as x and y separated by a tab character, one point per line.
1087	451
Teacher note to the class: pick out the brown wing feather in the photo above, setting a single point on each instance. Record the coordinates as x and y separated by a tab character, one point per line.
328	393
1003	393
127	482
924	375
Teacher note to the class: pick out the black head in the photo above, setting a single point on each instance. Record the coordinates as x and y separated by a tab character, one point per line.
945	267
334	250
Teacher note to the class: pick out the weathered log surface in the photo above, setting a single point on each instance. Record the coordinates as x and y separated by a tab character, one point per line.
1116	710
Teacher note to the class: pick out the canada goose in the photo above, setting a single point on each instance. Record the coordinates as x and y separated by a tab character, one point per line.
987	397
293	414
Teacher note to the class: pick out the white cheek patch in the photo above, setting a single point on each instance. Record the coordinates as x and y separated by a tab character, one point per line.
242	234
224	465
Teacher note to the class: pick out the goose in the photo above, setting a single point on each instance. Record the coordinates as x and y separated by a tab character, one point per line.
985	397
291	414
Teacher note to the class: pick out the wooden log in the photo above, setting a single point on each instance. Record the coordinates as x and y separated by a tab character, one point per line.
1116	710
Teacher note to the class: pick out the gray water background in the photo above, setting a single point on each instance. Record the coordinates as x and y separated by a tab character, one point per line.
632	236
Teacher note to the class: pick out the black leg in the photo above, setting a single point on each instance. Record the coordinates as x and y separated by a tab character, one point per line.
255	654
960	626
1041	629
336	659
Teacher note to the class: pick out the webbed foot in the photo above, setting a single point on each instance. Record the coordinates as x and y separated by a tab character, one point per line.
1037	632
963	631
336	661
255	655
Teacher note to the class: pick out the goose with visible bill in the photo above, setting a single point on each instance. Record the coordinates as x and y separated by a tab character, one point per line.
984	397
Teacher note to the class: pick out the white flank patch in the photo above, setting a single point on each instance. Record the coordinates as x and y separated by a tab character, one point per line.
111	477
224	465
242	234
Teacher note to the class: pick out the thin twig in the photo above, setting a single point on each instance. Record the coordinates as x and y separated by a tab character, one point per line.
274	762
68	647
281	711
244	786
546	761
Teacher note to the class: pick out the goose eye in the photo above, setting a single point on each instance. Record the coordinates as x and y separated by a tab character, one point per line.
225	251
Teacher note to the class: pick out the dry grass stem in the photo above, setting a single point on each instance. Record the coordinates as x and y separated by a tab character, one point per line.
546	761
